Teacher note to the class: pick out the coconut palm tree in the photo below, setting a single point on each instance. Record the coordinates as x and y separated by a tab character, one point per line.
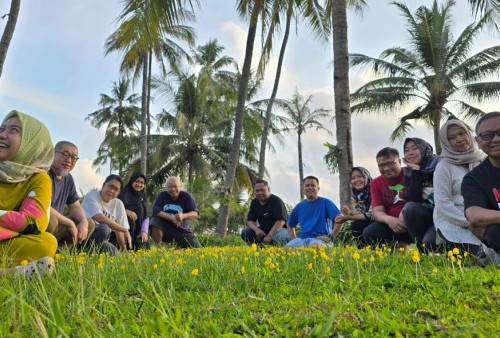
8	31
482	7
313	13
252	9
336	11
119	113
147	28
436	73
299	118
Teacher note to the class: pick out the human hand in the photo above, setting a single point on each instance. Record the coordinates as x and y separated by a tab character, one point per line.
128	240
73	231
411	165
131	214
341	218
260	234
345	210
143	236
397	225
83	232
267	240
479	232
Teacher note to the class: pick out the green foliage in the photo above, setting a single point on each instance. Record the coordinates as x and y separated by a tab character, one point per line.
435	74
332	157
242	290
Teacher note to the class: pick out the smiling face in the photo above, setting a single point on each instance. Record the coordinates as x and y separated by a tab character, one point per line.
139	184
10	138
459	138
357	180
412	153
110	190
310	188
389	166
64	160
173	187
490	147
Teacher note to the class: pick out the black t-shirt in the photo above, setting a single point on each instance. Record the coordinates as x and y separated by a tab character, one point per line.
481	187
274	210
184	203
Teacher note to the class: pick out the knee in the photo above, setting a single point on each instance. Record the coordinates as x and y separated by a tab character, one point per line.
49	245
410	209
493	236
370	233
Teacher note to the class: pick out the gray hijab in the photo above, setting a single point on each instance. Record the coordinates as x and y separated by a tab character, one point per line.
472	157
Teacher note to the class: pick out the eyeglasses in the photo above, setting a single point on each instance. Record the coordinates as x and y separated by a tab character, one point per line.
387	164
65	155
112	187
489	135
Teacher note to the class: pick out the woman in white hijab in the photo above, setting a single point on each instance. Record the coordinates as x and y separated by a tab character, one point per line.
459	156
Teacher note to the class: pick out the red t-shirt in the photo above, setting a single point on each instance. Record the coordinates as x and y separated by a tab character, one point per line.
389	193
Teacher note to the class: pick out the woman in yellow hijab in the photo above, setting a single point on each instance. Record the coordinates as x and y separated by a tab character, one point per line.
26	153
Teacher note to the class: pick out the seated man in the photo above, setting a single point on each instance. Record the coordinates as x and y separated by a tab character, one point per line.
173	210
388	199
109	214
269	210
315	215
481	190
75	228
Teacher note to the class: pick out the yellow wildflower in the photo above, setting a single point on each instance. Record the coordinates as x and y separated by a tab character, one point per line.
434	270
309	266
194	272
327	269
155	266
372	258
242	270
24	262
416	258
355	255
456	251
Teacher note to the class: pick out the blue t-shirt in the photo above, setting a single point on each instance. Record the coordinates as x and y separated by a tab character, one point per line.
315	218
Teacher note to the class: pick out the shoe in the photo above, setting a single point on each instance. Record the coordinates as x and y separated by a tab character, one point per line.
43	266
486	256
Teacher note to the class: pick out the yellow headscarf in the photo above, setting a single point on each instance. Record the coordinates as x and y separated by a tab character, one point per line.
35	153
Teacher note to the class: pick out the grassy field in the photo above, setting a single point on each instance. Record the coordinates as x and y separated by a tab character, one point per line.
254	291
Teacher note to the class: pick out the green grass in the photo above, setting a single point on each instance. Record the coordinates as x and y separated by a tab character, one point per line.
246	290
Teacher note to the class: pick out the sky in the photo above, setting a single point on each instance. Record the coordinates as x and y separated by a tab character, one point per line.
56	69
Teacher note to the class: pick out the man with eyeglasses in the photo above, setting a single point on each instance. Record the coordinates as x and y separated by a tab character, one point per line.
388	199
76	227
481	190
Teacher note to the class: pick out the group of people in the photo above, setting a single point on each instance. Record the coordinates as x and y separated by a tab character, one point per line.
447	201
451	200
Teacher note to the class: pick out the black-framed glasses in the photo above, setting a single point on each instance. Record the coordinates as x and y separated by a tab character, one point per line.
65	155
387	164
489	135
113	187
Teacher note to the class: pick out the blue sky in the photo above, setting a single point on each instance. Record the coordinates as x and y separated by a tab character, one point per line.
56	69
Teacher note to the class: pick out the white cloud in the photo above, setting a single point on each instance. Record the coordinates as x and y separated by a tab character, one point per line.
85	176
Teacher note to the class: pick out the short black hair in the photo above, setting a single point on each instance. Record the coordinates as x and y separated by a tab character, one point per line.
113	177
61	144
310	178
387	152
262	181
486	117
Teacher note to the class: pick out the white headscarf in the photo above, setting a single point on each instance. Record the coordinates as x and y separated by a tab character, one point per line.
472	157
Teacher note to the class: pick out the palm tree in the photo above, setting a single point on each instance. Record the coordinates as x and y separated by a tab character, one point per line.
482	7
299	118
290	8
255	8
435	72
8	31
147	28
119	114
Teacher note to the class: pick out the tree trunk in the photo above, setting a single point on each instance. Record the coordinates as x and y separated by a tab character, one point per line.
342	100
144	115
223	217
267	121
436	124
150	61
301	165
9	31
